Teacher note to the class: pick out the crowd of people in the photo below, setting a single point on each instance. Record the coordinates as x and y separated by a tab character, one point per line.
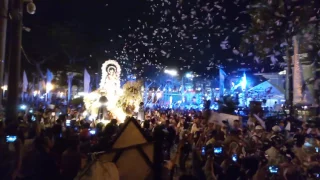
47	145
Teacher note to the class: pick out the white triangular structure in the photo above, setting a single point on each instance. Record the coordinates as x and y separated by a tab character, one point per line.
266	90
130	136
25	82
86	81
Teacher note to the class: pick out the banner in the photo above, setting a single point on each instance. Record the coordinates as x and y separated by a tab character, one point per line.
222	77
218	118
25	82
86	81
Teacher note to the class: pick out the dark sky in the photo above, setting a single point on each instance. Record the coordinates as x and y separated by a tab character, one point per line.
144	36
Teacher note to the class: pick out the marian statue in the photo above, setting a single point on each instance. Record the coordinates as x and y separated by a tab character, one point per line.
110	81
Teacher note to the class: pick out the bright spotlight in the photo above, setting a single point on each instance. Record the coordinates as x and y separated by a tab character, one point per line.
171	72
158	95
189	75
49	87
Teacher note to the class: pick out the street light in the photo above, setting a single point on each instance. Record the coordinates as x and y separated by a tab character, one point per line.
171	72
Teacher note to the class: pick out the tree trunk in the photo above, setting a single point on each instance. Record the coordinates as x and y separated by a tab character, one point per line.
14	63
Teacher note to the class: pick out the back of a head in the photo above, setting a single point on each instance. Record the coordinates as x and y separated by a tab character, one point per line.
11	129
234	132
73	142
187	177
146	124
39	142
114	121
292	173
233	172
300	140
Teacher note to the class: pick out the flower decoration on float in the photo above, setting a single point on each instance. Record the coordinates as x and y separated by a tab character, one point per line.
131	98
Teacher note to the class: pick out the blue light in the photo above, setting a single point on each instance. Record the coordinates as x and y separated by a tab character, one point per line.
189	75
244	81
23	107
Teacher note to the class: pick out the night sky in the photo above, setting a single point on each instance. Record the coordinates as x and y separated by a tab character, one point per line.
145	36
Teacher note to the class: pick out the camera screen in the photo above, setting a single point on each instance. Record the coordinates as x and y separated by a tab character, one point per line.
234	157
68	123
92	132
317	149
203	150
11	139
273	169
217	150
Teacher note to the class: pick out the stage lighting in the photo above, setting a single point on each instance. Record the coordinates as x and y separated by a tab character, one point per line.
189	75
158	95
171	72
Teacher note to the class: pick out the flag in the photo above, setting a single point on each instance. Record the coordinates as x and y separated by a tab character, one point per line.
222	77
49	79
86	81
25	82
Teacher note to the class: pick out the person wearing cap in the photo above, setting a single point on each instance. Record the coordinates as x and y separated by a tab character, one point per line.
195	129
273	153
257	135
275	131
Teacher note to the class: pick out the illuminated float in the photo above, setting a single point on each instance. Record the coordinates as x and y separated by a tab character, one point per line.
110	101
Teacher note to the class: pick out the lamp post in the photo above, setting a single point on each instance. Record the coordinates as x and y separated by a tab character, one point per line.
3	35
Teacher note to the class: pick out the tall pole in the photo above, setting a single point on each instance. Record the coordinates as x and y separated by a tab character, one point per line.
14	62
3	35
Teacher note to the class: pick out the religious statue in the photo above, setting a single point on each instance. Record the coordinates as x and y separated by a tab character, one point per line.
110	81
117	103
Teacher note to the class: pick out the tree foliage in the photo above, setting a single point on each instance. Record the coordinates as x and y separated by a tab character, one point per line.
275	22
74	43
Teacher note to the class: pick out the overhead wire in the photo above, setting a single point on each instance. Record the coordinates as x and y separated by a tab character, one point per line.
25	55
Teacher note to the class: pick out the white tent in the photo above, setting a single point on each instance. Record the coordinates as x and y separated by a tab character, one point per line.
267	91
